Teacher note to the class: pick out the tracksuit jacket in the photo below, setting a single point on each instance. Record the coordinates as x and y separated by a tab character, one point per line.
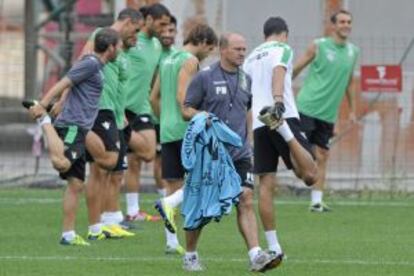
212	184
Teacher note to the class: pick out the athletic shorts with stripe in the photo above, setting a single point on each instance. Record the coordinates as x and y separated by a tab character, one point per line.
317	131
269	145
105	127
73	138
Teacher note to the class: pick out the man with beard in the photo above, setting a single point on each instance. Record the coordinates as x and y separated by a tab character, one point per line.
67	136
144	58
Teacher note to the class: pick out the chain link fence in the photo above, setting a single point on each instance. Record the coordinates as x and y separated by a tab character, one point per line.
376	154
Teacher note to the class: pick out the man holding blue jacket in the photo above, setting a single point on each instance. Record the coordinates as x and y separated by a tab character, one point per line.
224	90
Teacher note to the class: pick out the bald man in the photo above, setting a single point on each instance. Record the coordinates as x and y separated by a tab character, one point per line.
224	90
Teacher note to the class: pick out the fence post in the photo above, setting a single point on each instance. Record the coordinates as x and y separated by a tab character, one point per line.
30	56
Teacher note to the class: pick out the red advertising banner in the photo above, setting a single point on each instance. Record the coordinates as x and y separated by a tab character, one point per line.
381	78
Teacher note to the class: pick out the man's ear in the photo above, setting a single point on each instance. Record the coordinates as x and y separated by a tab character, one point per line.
149	20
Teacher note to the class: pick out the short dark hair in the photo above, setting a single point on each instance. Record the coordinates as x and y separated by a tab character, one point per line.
275	25
156	11
173	20
201	33
105	38
131	13
334	16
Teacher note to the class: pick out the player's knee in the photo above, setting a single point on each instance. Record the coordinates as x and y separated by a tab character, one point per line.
108	162
148	156
310	177
322	155
246	199
60	164
75	186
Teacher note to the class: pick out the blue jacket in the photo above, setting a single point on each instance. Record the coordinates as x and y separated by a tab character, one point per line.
212	184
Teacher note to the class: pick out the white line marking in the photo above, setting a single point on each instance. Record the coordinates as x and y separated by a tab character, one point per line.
216	260
22	201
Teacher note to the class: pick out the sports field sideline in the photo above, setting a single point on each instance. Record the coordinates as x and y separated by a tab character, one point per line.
361	237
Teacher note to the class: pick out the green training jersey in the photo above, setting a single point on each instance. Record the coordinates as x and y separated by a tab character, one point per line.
123	65
143	60
327	80
111	96
172	124
164	54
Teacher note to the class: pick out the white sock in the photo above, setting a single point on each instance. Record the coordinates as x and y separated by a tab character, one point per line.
316	196
172	239
118	217
272	242
45	119
174	199
69	235
112	218
104	217
189	255
162	192
253	252
285	131
132	203
95	229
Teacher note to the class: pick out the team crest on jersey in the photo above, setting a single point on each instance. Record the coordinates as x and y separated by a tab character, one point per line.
330	55
221	90
350	51
243	81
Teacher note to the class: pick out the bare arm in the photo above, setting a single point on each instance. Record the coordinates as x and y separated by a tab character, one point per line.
278	82
56	91
350	95
38	110
304	60
155	96
187	71
58	106
189	112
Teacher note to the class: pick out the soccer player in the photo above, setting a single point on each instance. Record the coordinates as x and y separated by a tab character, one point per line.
332	61
106	127
66	138
143	58
167	40
168	96
224	90
270	67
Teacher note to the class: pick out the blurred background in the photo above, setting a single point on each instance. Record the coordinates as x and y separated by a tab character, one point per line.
40	39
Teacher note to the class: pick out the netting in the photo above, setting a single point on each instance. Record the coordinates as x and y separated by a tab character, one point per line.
376	154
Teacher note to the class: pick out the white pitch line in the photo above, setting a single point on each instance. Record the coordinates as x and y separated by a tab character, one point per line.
216	260
22	201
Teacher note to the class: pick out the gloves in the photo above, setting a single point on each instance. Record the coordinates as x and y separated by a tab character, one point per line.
272	116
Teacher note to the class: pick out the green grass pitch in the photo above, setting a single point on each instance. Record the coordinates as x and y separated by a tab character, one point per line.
357	238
